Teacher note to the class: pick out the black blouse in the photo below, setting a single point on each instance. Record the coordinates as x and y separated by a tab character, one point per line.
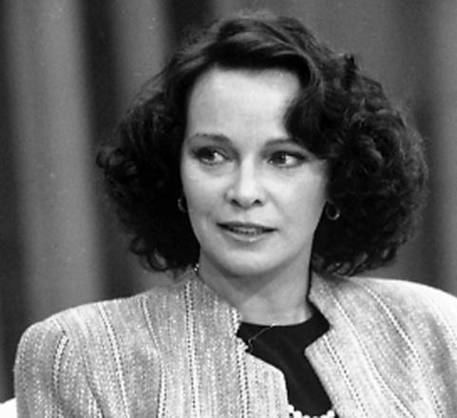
283	346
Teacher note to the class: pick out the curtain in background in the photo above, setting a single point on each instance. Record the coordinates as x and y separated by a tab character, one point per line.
69	68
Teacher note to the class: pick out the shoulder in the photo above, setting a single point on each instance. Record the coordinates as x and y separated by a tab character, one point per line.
80	349
89	322
92	327
403	296
401	305
402	333
393	292
406	315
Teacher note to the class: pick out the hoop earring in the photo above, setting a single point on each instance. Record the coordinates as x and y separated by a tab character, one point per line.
332	212
182	204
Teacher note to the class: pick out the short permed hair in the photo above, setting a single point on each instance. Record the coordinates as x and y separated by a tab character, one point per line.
377	171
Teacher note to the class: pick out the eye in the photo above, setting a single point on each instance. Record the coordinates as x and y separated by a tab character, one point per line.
209	156
287	159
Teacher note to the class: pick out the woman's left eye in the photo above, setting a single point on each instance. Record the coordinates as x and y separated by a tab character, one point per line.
285	159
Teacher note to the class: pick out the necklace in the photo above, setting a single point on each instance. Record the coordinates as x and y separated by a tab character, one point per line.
293	413
251	339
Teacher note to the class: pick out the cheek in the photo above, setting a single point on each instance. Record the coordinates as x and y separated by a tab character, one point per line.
199	193
195	203
305	201
191	181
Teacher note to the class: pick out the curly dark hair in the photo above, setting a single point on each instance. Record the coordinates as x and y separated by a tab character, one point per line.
377	171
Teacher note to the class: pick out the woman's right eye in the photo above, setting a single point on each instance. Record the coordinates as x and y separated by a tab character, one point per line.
209	156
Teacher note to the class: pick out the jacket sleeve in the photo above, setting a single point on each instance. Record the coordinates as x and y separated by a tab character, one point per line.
50	380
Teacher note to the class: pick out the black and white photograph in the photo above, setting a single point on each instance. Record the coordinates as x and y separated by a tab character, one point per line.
228	208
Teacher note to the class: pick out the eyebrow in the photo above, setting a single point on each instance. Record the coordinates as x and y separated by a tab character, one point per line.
214	137
226	140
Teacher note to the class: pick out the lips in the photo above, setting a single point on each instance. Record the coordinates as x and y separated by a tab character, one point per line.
247	229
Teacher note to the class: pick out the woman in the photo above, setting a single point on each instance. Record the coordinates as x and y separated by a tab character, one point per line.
264	170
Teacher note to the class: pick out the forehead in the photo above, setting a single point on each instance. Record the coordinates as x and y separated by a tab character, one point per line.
241	100
242	84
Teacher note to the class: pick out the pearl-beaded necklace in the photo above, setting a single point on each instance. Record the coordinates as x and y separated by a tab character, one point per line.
293	413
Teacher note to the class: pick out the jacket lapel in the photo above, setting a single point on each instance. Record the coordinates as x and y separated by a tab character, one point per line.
363	366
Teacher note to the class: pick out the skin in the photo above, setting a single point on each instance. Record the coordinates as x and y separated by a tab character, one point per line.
239	164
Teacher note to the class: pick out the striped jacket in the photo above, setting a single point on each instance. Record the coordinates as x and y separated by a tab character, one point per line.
391	351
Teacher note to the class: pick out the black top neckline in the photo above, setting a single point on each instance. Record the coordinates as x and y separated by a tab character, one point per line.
283	346
302	333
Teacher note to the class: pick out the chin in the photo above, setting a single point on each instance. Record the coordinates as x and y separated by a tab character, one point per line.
247	268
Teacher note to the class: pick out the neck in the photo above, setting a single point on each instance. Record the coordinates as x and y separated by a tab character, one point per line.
278	298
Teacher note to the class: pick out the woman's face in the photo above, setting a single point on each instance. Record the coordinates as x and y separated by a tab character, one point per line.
254	197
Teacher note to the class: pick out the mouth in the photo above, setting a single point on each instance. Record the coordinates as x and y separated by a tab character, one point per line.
246	229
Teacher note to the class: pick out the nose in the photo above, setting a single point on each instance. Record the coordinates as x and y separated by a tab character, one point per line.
245	189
